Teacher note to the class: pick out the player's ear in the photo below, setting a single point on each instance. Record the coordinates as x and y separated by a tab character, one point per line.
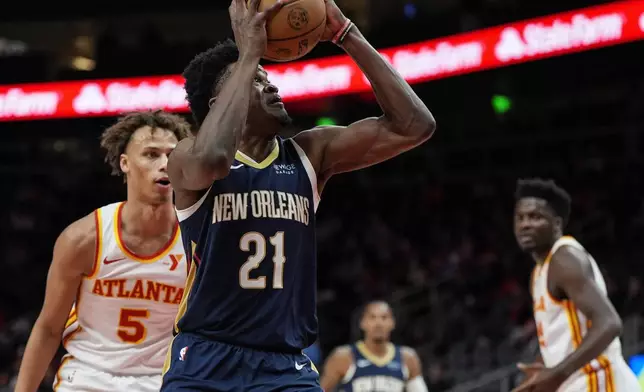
559	223
124	163
362	324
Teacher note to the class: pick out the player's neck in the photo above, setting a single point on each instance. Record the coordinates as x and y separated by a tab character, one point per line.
257	147
541	255
148	220
377	348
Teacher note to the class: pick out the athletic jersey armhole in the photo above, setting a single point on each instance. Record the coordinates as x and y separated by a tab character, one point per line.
98	250
187	212
310	171
561	243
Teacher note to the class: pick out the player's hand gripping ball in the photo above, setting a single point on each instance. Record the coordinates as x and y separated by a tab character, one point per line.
295	29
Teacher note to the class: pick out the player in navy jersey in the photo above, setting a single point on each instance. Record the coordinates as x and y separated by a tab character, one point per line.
246	201
374	364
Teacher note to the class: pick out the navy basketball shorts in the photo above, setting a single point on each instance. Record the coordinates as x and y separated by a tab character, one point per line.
197	364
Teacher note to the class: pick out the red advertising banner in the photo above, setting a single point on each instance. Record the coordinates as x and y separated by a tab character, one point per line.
518	42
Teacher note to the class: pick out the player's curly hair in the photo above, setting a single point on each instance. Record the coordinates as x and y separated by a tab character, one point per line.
556	197
116	138
205	74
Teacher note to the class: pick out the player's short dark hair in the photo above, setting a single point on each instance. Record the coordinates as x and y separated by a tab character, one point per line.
556	197
363	311
116	138
204	75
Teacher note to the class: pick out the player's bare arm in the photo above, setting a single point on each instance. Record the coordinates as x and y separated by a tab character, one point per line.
73	258
416	382
571	277
335	368
197	162
405	124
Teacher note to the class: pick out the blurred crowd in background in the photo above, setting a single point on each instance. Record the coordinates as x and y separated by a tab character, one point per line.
430	231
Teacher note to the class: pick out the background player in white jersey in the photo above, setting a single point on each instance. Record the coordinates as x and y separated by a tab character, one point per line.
117	275
577	326
374	364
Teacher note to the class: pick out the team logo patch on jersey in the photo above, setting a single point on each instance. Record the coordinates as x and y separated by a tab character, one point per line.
182	353
393	365
363	363
285	168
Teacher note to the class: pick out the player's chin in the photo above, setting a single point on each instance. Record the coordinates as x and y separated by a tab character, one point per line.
282	116
527	246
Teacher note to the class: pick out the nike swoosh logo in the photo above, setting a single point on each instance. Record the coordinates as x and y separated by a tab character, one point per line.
108	262
237	167
299	366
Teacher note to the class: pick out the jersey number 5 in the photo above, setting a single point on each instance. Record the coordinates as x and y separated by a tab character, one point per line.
131	329
253	261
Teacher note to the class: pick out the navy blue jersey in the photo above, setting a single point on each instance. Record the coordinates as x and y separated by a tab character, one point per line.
251	240
370	373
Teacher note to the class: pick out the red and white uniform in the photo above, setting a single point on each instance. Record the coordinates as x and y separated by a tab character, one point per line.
561	327
121	324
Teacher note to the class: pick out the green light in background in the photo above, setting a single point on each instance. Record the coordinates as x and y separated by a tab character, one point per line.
501	104
325	121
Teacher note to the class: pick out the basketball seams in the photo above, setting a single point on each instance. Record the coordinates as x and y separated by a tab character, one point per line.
300	35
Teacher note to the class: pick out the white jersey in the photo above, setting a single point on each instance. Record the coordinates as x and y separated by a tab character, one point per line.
561	328
122	320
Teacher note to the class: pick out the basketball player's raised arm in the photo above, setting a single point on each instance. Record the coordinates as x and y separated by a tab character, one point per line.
73	258
572	273
406	122
196	162
415	382
335	367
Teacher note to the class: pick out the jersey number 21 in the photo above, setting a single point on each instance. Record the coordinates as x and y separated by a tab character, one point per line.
259	244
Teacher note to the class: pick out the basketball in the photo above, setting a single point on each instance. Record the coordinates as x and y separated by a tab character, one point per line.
295	29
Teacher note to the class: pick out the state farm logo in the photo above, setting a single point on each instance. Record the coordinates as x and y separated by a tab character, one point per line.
642	22
540	38
18	103
123	96
90	99
444	58
312	79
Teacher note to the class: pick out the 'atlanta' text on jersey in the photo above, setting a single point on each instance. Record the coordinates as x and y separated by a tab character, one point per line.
251	242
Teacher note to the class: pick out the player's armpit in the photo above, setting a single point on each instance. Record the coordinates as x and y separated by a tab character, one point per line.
335	368
74	257
571	273
335	149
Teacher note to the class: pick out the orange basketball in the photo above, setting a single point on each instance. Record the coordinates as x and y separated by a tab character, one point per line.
295	29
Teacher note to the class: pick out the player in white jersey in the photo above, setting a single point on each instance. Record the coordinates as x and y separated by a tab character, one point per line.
117	275
577	326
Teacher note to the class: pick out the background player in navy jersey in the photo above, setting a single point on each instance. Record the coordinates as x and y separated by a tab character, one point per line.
374	364
246	201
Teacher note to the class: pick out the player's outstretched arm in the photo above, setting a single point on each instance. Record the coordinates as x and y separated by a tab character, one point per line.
416	382
196	162
335	367
572	273
74	257
406	121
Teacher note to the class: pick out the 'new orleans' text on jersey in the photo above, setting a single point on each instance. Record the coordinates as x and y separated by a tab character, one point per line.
251	242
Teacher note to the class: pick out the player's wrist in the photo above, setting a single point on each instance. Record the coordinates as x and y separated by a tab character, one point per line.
344	33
